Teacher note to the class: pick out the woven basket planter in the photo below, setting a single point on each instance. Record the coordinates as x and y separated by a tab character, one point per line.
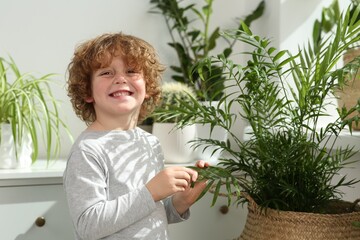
273	225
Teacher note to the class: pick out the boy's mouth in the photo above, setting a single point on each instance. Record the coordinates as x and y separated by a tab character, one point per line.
121	93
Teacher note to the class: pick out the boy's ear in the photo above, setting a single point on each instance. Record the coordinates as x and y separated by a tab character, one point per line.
89	99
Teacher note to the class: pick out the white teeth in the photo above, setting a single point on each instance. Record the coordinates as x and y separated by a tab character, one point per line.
118	94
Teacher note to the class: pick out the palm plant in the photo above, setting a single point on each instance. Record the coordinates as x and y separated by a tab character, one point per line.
27	104
290	161
192	40
328	20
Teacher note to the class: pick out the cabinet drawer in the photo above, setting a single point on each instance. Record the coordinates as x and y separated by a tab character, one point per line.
21	206
210	223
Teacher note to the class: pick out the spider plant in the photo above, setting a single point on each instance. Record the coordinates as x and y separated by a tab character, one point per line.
28	105
289	161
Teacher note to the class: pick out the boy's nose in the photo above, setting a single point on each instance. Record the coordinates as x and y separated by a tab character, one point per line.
119	79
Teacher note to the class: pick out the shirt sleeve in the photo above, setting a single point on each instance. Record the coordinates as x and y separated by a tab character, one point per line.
172	215
94	216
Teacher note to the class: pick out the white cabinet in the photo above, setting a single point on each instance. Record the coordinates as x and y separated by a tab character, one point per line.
30	196
210	223
21	207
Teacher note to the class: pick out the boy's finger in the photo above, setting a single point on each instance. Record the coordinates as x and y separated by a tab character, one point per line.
202	164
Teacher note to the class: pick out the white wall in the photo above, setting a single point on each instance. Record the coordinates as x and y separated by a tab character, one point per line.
41	34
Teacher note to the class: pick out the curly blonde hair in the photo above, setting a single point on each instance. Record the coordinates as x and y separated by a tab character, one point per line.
97	53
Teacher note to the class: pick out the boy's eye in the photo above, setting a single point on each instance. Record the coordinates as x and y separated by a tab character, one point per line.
132	71
105	73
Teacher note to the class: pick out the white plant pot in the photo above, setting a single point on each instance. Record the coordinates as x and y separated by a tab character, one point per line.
208	153
175	142
7	149
204	152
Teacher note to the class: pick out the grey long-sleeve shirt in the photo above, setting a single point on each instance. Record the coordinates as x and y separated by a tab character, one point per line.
105	181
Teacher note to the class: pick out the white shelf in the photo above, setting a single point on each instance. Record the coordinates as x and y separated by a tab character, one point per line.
52	172
347	139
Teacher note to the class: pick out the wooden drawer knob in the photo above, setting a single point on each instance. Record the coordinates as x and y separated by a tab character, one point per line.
224	209
40	221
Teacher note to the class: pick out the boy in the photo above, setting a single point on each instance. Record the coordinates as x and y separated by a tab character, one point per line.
114	181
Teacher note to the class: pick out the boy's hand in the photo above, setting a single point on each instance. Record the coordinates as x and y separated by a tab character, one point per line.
183	200
171	180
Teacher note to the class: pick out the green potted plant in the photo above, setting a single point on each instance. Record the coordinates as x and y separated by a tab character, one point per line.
193	40
28	113
174	141
288	168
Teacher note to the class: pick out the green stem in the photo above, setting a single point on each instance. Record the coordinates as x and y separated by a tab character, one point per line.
206	27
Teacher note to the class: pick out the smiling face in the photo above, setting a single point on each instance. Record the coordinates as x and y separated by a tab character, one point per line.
117	94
